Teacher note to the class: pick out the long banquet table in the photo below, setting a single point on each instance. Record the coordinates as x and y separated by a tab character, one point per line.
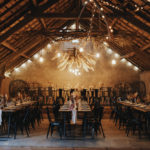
84	107
14	108
140	107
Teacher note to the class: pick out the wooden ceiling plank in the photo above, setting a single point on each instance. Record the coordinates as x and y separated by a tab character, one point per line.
145	47
29	45
25	21
10	8
35	49
131	18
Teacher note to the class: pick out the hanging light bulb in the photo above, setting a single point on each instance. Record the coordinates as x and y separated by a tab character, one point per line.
129	64
123	60
75	41
105	43
116	55
29	61
109	51
7	74
49	46
58	54
136	68
17	69
23	65
113	62
41	59
36	56
85	2
97	55
81	49
103	16
101	9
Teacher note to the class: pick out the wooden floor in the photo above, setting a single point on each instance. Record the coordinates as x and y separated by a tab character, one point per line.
51	148
115	140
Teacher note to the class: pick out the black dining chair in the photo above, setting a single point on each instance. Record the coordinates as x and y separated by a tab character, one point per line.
53	123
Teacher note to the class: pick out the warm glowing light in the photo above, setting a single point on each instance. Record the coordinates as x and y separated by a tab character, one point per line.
107	37
113	62
49	46
29	61
41	59
76	72
101	9
58	54
75	41
129	64
7	74
81	49
85	2
109	51
43	51
123	60
23	65
17	69
136	68
105	43
91	0
111	30
36	56
97	55
116	55
73	26
103	16
110	27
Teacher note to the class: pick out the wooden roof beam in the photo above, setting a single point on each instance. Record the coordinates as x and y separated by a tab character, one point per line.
137	52
41	20
26	20
35	49
145	47
33	41
131	19
68	16
7	45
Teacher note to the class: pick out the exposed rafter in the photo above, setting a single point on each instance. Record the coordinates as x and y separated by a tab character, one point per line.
7	45
27	19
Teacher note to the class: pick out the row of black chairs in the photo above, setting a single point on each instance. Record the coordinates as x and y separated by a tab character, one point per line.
92	121
22	120
130	119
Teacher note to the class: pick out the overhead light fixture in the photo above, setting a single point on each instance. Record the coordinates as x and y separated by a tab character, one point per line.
36	56
23	65
41	59
129	64
43	51
105	43
73	26
7	74
74	59
75	41
97	55
113	62
123	60
109	51
81	49
17	69
58	54
136	68
29	61
116	55
49	46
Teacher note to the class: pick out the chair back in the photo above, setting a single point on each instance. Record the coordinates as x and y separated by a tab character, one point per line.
48	114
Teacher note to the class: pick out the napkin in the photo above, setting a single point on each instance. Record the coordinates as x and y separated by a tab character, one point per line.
74	116
0	116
